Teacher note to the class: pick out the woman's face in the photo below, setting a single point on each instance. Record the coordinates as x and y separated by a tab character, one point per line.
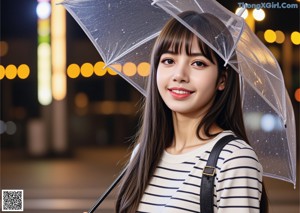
187	83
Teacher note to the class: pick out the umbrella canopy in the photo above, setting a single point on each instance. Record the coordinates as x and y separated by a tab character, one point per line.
124	31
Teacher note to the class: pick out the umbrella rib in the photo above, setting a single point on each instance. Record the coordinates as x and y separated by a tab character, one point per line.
235	43
255	89
134	47
271	85
271	74
199	6
175	7
259	65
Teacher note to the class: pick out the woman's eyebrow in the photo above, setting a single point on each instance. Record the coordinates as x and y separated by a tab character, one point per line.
196	54
175	53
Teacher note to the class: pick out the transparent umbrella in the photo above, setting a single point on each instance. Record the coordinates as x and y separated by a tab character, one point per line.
124	31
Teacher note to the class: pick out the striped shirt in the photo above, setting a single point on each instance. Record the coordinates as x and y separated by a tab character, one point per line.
175	185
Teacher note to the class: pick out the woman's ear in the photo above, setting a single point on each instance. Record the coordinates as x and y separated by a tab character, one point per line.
222	80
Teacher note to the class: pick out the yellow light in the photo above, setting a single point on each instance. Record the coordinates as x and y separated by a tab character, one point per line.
73	70
270	36
295	37
2	72
81	100
259	15
43	27
87	70
3	48
58	49
143	69
11	71
43	31
108	107
111	71
280	37
44	74
23	71
297	94
245	13
129	69
58	85
99	68
116	67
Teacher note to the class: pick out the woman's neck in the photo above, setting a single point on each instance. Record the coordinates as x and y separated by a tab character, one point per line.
185	137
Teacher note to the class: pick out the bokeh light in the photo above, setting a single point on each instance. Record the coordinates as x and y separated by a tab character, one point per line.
87	70
295	37
280	37
3	48
11	71
2	127
253	120
268	122
111	71
23	71
2	72
43	10
129	69
297	94
99	68
270	36
81	100
245	13
143	69
259	15
11	127
116	67
73	70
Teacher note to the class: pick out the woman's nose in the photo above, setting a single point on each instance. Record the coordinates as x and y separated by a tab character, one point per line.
181	74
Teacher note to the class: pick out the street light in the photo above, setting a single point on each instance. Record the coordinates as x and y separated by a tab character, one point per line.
251	17
258	15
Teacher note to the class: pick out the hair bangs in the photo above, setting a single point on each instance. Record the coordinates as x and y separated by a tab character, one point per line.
179	38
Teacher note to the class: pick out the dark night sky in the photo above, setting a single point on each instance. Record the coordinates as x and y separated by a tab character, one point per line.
18	18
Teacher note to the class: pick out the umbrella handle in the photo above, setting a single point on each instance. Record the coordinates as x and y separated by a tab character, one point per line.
104	195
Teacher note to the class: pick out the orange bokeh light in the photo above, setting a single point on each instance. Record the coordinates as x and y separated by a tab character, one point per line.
297	94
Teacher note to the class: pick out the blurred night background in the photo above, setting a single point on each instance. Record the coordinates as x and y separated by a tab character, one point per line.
64	146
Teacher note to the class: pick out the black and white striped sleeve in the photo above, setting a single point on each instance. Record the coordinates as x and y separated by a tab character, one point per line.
239	182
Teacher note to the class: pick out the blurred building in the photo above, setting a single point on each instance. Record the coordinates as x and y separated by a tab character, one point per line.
98	108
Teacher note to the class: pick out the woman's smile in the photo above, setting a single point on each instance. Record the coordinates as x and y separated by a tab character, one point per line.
180	93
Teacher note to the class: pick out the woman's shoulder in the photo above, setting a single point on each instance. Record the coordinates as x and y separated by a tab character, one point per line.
238	150
238	156
235	144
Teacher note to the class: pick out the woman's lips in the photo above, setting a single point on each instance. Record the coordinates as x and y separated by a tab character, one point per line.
180	93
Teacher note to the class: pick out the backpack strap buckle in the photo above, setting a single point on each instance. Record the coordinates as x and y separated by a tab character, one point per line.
209	171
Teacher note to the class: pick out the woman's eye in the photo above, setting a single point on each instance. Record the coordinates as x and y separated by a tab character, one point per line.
199	64
167	61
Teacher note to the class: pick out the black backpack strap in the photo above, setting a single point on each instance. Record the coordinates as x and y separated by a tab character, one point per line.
208	177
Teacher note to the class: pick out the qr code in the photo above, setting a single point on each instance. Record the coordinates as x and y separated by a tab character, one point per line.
12	200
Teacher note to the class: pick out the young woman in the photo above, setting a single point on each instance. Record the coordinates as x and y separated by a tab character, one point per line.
192	101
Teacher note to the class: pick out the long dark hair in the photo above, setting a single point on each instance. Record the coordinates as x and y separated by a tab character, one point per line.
156	132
